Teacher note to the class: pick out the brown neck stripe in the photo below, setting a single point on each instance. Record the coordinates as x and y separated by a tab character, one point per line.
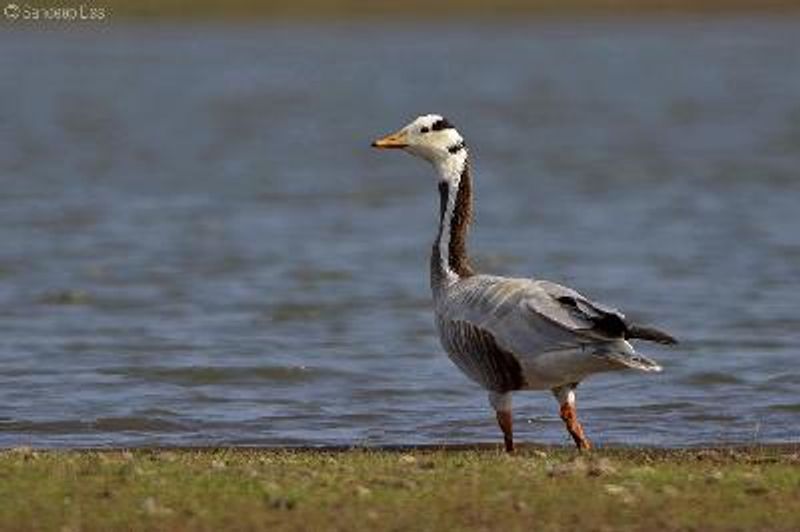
458	260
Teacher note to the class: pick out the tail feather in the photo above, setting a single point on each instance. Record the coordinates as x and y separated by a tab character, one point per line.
651	334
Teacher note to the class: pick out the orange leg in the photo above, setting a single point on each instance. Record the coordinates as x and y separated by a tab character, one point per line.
570	418
505	422
501	402
566	398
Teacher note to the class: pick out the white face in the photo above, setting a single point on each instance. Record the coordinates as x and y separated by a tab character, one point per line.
430	137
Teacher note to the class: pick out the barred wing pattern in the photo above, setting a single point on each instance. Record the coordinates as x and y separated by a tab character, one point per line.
552	332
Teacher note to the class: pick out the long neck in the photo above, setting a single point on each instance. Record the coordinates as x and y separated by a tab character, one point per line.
449	260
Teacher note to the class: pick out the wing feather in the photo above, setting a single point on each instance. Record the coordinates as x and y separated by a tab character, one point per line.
545	327
538	315
574	312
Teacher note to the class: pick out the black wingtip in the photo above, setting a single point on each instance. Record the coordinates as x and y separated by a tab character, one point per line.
651	334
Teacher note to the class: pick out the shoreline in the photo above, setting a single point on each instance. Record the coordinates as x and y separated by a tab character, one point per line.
523	447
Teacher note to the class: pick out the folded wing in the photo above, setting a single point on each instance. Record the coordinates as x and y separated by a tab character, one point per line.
537	316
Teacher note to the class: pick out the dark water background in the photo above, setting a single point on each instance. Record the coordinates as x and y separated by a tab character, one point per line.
198	247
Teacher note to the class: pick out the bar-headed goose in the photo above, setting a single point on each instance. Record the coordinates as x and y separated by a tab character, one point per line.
511	334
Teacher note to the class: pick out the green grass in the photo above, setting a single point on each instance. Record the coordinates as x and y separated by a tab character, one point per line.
427	489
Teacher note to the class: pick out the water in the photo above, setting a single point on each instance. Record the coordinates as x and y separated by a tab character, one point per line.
199	248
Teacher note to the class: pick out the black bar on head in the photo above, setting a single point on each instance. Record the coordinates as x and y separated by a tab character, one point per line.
441	124
455	148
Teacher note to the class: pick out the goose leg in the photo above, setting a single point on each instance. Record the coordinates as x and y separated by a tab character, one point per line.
505	422
566	398
501	402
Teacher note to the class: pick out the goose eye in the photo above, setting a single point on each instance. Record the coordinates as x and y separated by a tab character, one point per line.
424	130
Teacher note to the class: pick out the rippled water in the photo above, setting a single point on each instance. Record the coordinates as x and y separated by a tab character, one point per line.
198	246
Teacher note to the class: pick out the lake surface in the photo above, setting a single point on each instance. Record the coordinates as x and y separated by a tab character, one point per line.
198	246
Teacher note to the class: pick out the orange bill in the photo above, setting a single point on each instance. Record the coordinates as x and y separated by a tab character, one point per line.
394	140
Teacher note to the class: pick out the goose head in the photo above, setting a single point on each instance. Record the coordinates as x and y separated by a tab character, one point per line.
430	137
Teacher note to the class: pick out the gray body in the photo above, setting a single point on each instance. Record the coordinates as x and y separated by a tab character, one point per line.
553	342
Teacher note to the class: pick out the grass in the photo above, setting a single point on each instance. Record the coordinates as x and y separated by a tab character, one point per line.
418	489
